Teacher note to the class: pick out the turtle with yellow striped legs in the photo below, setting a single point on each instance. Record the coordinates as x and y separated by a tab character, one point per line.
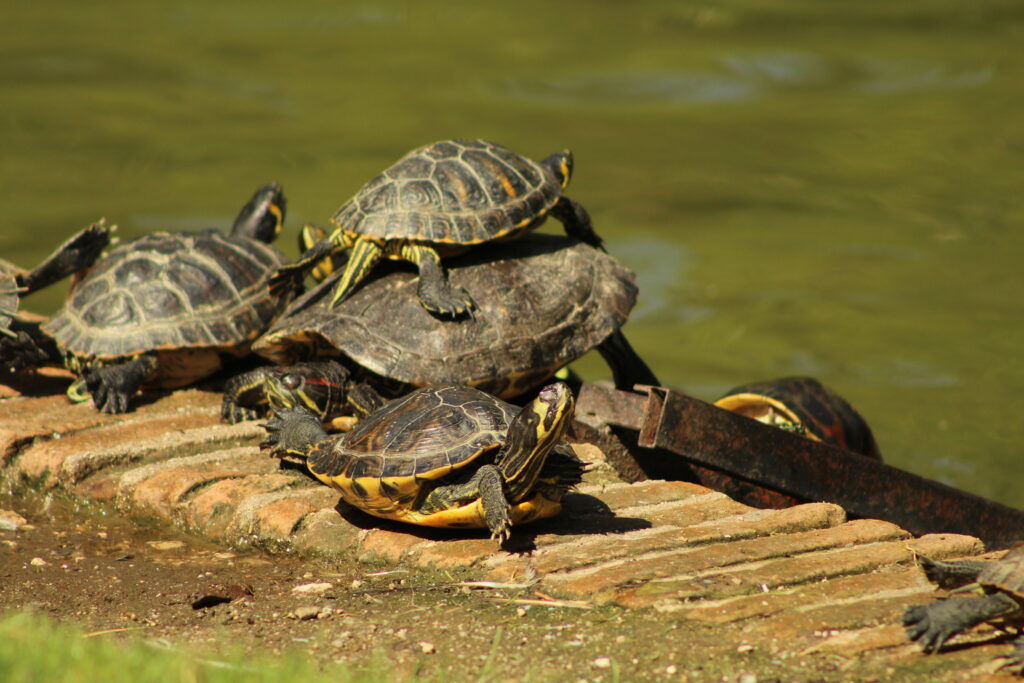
438	201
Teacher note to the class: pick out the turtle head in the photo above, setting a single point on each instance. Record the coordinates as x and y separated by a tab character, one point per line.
560	164
317	387
531	436
262	218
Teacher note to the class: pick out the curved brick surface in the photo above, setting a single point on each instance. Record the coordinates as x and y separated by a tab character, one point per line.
804	579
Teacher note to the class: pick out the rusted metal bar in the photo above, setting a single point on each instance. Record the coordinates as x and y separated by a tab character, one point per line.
784	462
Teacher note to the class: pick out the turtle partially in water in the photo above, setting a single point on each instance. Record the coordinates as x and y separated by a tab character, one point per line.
22	343
545	301
439	200
805	406
444	456
164	310
1000	588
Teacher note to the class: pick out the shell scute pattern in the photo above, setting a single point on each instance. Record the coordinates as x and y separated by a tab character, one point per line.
461	192
171	291
1007	574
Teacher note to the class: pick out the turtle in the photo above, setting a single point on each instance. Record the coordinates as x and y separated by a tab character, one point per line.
550	299
444	456
162	311
1001	585
804	405
22	343
439	200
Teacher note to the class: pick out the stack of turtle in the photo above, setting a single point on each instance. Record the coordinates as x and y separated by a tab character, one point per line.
505	312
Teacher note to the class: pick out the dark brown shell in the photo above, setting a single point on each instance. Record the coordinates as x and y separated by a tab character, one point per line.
426	435
824	413
1006	574
455	192
544	300
171	291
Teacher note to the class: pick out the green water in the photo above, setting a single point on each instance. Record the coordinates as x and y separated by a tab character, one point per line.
825	188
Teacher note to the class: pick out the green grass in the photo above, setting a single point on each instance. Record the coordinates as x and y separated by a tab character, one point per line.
33	649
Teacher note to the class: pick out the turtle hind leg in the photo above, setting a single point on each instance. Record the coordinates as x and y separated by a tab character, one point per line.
112	386
628	369
576	222
951	574
435	292
80	251
934	624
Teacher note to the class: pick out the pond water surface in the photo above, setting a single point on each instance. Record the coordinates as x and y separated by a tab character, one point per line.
819	188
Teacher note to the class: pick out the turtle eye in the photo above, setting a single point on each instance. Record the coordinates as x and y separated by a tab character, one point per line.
292	381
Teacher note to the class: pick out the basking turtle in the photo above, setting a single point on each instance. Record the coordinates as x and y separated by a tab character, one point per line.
1001	584
804	405
439	200
22	344
446	456
549	299
161	311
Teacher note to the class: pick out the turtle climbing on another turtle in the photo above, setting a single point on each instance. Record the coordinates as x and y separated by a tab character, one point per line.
805	406
437	201
549	300
444	456
1000	584
163	310
22	343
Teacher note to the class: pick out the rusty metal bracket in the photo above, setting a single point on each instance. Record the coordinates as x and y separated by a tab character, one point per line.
708	436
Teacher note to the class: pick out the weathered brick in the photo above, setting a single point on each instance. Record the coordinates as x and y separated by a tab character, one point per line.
238	461
263	516
47	457
689	561
904	579
789	571
384	545
454	553
77	467
211	510
326	533
590	550
617	496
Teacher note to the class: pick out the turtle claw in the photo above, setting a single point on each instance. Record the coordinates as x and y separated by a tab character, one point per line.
292	431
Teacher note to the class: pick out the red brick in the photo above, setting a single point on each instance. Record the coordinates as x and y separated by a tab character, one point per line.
690	561
211	510
47	457
77	467
384	545
161	493
649	492
325	533
589	550
463	552
277	509
794	570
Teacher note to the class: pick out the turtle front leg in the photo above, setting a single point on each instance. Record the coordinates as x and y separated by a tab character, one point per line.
292	432
934	624
436	294
363	257
487	485
576	222
290	277
112	386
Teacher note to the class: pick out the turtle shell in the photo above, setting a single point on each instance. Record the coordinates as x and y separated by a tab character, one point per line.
392	459
9	294
544	301
1006	574
454	192
805	403
170	291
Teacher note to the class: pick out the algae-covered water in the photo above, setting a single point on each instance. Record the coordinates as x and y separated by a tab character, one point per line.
802	187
